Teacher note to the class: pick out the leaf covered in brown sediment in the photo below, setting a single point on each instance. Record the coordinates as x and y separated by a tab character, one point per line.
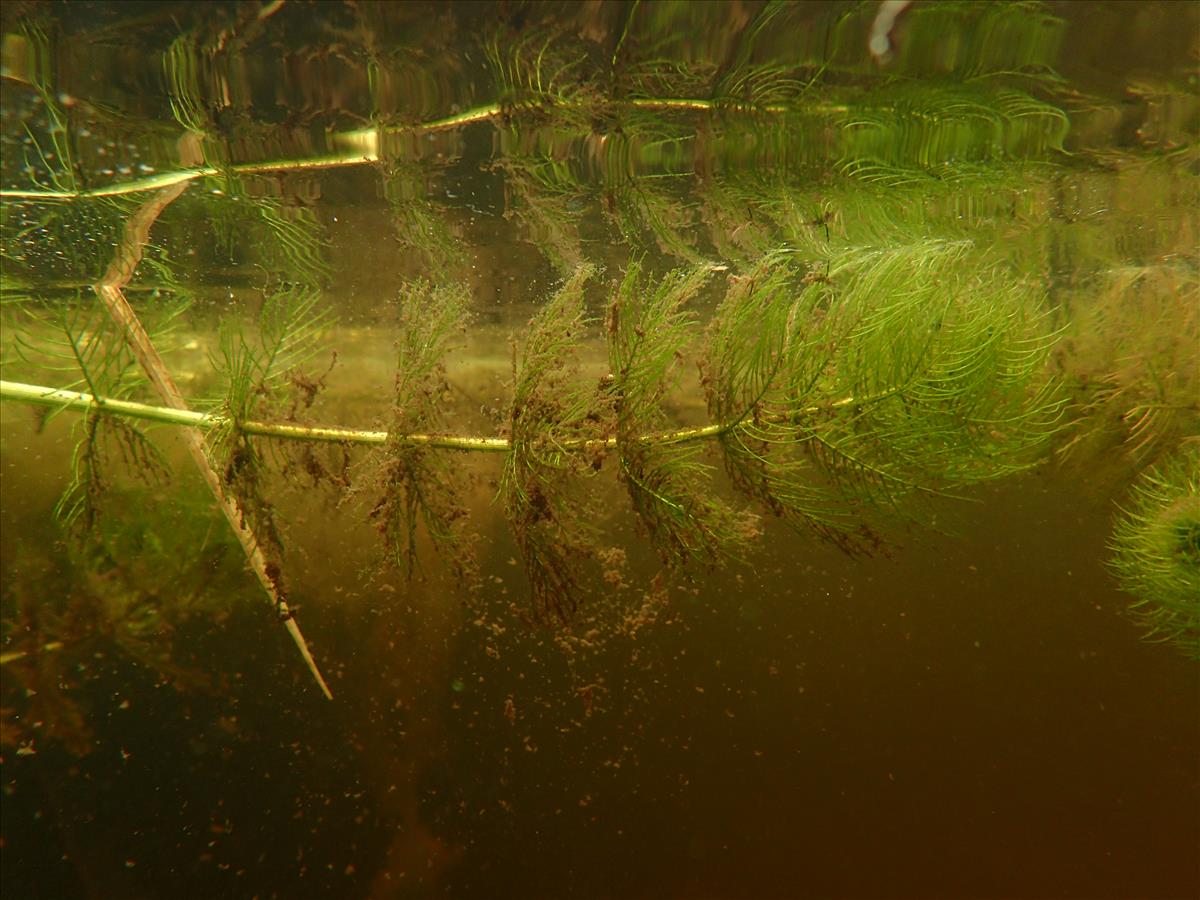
419	490
557	428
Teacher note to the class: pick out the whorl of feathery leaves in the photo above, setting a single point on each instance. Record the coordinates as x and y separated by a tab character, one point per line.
252	229
925	130
900	372
646	207
77	340
257	367
186	68
1138	338
70	334
256	364
420	488
765	357
538	73
648	330
421	224
1156	550
557	428
256	361
546	203
665	115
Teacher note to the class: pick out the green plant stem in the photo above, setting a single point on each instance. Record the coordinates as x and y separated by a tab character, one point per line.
365	148
14	655
80	402
700	105
364	142
170	179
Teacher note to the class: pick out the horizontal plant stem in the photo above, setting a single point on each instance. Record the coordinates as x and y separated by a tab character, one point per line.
77	401
365	142
466	117
81	402
109	289
14	655
169	179
151	183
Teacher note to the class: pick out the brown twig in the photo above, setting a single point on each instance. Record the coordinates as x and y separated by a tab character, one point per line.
110	290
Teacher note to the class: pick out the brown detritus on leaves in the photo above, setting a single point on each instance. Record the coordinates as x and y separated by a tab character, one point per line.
419	490
557	426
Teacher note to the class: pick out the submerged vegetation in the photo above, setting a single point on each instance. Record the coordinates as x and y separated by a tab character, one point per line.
1156	548
841	265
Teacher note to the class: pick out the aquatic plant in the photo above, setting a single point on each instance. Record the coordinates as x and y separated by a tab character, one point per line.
1138	343
418	486
1156	549
876	339
833	399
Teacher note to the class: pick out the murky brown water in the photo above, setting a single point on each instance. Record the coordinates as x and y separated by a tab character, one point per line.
971	712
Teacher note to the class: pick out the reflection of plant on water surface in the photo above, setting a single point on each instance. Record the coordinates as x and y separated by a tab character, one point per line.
858	259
